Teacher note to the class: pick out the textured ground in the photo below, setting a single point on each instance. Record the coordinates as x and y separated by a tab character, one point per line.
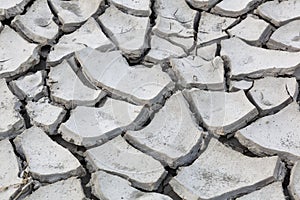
149	99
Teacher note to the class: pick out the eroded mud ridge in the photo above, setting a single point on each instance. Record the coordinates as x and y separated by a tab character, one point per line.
149	99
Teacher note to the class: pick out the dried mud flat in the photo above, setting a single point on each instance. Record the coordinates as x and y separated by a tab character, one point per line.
149	99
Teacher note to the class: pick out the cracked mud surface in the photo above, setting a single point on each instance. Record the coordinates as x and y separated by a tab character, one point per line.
149	99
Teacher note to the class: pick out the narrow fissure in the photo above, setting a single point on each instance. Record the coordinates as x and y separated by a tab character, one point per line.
286	181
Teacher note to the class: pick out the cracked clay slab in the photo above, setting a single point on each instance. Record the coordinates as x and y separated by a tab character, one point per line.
279	12
220	173
267	100
14	61
9	170
130	33
221	112
94	126
37	23
11	8
69	90
47	160
110	71
88	35
107	186
282	137
12	122
255	62
69	189
166	138
118	157
73	13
